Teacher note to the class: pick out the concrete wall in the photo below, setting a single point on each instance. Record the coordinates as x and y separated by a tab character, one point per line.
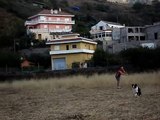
153	32
72	58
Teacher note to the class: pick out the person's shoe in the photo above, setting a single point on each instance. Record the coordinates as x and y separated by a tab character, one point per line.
118	87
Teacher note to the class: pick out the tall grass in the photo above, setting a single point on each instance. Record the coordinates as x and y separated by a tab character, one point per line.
100	81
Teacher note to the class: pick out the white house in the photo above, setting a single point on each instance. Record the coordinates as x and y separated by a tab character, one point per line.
104	30
131	1
107	32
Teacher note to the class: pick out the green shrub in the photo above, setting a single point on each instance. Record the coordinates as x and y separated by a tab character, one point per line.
75	64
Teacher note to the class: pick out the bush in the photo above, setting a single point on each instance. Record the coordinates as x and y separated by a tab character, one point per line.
76	65
142	58
40	59
138	6
99	58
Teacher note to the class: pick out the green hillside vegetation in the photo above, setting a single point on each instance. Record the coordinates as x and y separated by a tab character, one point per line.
14	13
140	59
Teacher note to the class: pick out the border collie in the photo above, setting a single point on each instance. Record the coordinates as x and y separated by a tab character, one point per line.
136	90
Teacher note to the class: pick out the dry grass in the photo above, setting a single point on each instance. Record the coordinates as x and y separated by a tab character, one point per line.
95	81
81	98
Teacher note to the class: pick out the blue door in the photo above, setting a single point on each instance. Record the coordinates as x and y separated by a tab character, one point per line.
58	64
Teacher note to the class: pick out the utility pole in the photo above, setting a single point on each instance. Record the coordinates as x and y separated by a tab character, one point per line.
117	19
14	45
6	68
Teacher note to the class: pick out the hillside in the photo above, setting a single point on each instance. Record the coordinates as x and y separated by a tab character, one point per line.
14	13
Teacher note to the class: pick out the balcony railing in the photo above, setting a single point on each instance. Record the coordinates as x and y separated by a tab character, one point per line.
53	52
49	22
48	30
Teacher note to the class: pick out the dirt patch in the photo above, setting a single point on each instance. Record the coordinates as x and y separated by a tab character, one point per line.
79	104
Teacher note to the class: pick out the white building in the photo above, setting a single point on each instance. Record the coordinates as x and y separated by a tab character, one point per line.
107	32
116	37
131	1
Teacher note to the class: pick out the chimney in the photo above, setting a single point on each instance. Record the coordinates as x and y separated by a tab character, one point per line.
52	11
60	9
55	11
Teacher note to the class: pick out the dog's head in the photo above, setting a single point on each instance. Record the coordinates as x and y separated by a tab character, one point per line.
134	85
136	90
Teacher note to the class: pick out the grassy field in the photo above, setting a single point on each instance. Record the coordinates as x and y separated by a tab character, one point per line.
81	98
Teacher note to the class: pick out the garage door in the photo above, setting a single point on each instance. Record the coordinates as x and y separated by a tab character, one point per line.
59	64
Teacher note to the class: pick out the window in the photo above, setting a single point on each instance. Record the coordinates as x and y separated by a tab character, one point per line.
101	27
56	47
57	26
49	18
130	38
58	19
66	27
130	30
103	35
39	36
43	18
137	38
142	37
136	30
74	46
156	36
108	34
141	30
45	26
67	47
66	19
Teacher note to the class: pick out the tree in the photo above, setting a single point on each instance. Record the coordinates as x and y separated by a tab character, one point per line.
142	58
9	59
138	6
99	58
41	59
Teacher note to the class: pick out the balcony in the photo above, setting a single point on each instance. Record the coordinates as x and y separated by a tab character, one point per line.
71	51
48	30
49	22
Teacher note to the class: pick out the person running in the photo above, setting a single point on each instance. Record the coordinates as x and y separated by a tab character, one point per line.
119	72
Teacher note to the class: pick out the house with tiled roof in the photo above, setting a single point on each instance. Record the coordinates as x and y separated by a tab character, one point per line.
49	21
68	49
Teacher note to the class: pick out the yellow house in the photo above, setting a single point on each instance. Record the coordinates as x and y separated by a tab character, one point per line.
68	49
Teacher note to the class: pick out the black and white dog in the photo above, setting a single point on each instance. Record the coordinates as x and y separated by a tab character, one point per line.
136	90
